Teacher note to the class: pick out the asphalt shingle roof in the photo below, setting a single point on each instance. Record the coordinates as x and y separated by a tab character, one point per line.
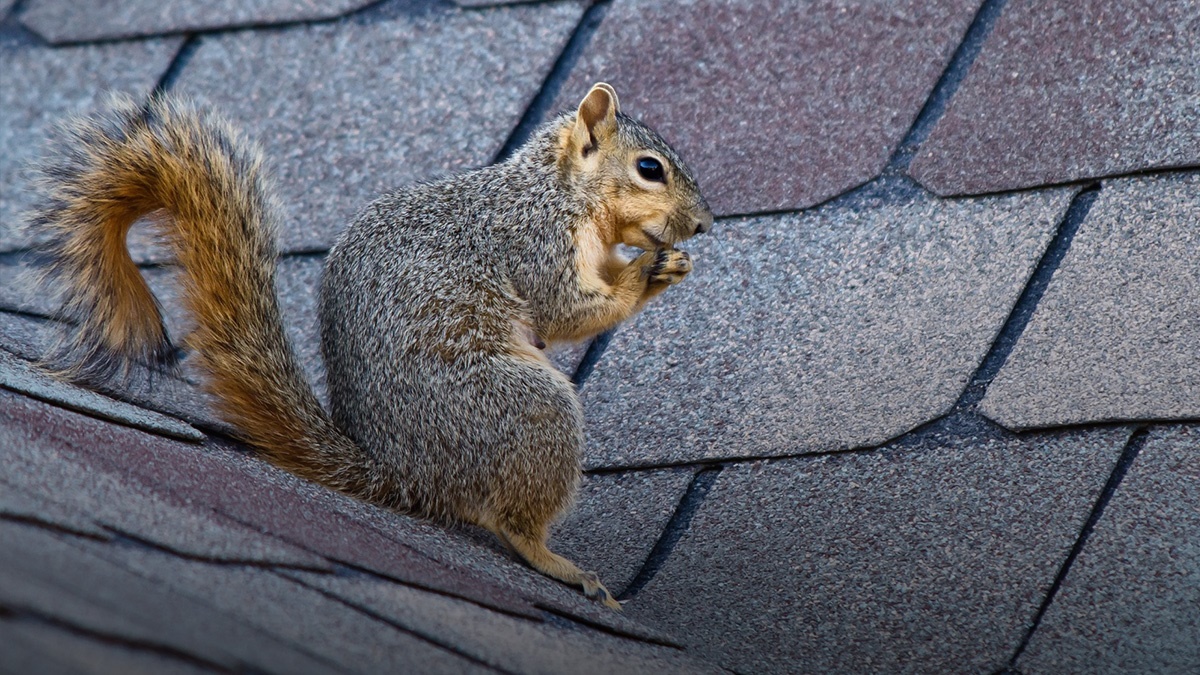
878	429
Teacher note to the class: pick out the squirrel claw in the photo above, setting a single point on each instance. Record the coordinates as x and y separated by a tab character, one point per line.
593	589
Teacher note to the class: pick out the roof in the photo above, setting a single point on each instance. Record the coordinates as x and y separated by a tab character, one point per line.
930	401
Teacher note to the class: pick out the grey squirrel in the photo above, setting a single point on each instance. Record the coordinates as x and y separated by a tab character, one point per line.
434	305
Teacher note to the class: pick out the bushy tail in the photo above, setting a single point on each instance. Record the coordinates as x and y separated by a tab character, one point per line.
129	160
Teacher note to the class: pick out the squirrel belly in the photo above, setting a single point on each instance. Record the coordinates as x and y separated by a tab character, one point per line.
433	304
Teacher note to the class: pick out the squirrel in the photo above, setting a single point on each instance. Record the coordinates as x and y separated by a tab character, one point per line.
435	303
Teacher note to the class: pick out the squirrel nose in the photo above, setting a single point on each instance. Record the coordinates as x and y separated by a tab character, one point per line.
704	223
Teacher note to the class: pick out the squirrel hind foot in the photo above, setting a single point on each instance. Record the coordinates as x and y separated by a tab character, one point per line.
534	552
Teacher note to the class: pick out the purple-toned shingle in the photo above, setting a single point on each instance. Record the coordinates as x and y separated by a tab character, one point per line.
776	104
928	559
1129	603
1116	336
1065	91
66	21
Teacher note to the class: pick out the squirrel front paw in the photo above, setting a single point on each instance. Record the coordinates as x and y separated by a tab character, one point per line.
670	266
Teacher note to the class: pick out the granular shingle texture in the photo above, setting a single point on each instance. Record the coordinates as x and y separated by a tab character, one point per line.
373	106
300	616
32	646
1129	603
502	642
41	86
921	560
1067	91
616	521
67	21
46	575
170	393
1115	337
19	375
838	328
87	494
777	104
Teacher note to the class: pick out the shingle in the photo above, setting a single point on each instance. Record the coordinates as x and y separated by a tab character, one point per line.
292	613
314	518
467	561
838	328
1129	603
45	575
65	21
1066	91
17	503
25	336
21	376
41	458
34	647
232	486
775	105
566	356
617	520
508	643
923	560
476	552
41	86
1115	336
489	3
373	106
170	393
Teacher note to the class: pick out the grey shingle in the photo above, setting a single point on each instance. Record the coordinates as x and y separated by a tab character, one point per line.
34	647
18	292
476	552
40	459
838	328
292	613
1066	91
776	104
922	560
227	485
616	521
41	86
17	503
47	575
1129	603
373	106
508	643
25	336
1115	336
19	375
66	21
165	392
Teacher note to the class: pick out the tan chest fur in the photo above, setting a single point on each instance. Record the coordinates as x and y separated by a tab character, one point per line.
592	257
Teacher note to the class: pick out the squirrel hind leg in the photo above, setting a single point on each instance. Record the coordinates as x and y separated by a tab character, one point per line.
535	552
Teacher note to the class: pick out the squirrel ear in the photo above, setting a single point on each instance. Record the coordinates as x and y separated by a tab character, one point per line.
616	103
596	117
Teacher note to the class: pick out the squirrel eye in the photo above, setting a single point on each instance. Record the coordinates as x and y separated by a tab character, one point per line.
651	169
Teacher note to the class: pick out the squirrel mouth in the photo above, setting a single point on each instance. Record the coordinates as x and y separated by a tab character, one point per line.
658	243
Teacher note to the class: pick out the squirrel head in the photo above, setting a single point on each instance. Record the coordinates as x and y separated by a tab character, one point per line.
646	196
